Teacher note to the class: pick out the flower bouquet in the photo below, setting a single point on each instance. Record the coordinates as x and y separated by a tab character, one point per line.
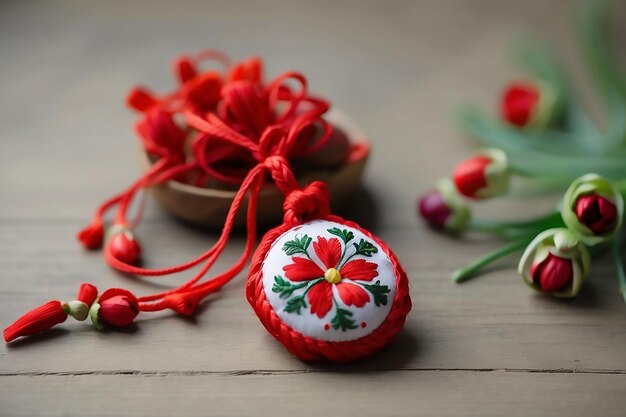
545	137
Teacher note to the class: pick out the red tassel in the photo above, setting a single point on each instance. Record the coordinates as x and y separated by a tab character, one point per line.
184	69
140	99
91	236
36	321
87	293
183	303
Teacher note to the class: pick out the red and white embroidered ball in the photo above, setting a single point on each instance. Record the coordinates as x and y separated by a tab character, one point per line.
328	289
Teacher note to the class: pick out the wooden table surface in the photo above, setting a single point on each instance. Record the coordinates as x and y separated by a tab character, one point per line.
489	347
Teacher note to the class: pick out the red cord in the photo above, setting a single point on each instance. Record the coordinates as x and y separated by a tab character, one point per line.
297	204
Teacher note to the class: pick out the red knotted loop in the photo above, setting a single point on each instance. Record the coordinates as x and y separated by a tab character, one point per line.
311	202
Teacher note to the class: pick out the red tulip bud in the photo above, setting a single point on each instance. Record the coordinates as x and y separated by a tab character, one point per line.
597	213
553	273
434	210
115	307
592	209
484	175
443	208
124	247
519	103
91	236
470	175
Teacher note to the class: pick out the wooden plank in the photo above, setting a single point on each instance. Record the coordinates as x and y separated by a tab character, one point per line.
428	393
492	322
488	347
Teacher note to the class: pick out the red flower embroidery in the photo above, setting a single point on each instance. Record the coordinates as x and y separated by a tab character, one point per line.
337	267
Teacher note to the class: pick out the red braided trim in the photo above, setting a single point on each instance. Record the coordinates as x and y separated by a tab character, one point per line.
307	348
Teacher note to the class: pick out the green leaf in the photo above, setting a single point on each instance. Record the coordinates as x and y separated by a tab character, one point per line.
365	248
343	320
379	292
297	245
295	304
285	288
344	234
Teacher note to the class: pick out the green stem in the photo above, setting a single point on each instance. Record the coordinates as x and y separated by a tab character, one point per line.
516	228
343	262
619	266
467	272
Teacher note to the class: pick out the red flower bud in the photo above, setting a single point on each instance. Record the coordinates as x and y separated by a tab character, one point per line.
484	175
470	175
443	208
519	103
91	236
124	247
555	262
36	321
115	307
434	210
597	213
552	274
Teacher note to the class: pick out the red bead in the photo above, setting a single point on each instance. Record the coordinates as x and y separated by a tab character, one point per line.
118	307
124	247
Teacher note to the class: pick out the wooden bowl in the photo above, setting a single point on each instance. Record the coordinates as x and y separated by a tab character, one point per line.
208	207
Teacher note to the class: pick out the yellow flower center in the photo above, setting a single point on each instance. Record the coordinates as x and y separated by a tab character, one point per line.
333	276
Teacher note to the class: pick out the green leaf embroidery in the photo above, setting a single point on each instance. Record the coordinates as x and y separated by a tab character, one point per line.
285	288
297	245
365	248
343	320
344	234
295	304
379	292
